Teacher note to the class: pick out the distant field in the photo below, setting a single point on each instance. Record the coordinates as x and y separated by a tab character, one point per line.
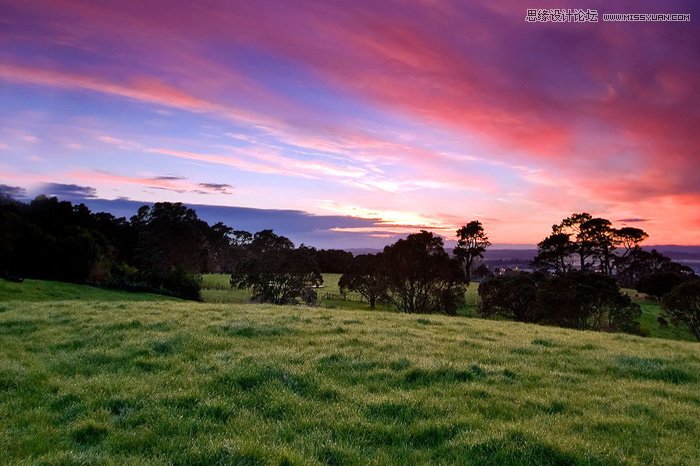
216	288
191	383
44	290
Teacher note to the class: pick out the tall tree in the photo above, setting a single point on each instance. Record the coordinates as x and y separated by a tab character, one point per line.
333	260
267	240
366	275
639	263
218	248
571	225
279	275
170	235
553	252
241	238
630	238
471	244
599	238
422	277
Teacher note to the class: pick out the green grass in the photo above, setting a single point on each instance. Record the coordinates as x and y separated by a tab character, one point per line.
216	288
44	290
649	322
192	383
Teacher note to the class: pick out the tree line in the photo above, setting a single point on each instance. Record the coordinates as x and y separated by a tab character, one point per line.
163	248
578	270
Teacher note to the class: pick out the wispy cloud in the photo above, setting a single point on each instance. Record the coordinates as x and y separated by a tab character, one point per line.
396	108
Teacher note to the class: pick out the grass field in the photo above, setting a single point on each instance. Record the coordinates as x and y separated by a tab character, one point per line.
43	290
192	383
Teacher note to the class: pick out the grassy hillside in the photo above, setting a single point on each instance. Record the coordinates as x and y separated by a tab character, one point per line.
188	383
44	290
217	289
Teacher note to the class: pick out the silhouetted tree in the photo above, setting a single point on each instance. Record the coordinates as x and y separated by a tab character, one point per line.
241	238
586	301
267	240
218	248
598	236
52	239
333	260
682	306
471	244
421	275
629	238
239	249
170	235
277	273
366	275
657	284
571	226
594	241
638	263
161	249
553	253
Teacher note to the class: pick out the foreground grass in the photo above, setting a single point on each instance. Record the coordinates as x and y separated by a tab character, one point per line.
45	290
188	383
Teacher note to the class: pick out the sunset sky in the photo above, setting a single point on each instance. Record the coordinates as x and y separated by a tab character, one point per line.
368	119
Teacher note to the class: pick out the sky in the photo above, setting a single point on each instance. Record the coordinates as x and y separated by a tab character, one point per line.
350	123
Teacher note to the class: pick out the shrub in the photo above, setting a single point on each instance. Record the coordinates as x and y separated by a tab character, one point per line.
575	299
586	301
182	284
657	284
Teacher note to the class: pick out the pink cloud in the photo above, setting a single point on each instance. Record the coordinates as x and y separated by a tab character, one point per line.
598	116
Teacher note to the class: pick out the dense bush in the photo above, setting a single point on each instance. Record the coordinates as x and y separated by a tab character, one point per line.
682	306
585	301
182	284
657	284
